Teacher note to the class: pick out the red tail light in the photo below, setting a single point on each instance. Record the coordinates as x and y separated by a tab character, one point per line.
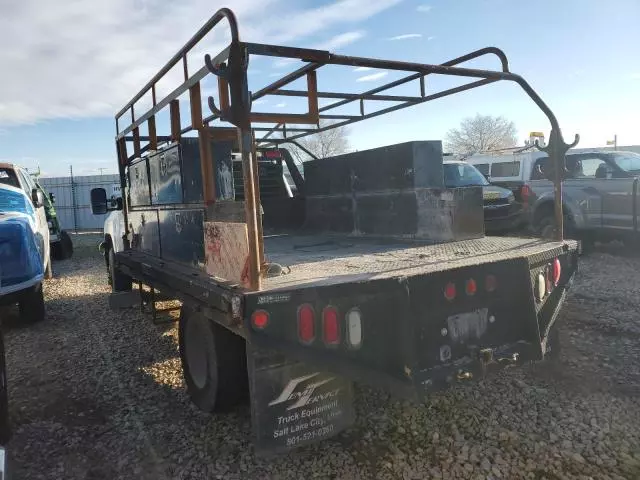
330	326
450	291
557	271
260	319
525	193
272	154
306	323
471	287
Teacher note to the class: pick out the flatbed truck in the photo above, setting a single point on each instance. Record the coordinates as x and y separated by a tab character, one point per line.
366	268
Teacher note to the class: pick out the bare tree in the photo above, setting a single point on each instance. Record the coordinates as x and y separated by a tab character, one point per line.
481	133
323	144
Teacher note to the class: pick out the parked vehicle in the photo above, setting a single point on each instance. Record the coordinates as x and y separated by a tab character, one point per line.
510	168
24	244
600	197
501	211
18	177
60	240
373	270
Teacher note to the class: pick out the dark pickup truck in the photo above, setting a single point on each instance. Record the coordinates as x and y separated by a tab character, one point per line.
600	196
372	270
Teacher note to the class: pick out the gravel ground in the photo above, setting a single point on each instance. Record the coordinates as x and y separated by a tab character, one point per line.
98	394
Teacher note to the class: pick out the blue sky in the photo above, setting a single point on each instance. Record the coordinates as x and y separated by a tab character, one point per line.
69	67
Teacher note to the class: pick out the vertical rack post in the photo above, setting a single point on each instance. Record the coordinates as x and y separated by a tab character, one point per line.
240	110
245	140
256	179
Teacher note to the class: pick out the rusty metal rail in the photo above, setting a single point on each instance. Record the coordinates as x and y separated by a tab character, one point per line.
230	67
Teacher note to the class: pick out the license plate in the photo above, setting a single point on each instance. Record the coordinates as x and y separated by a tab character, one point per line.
466	326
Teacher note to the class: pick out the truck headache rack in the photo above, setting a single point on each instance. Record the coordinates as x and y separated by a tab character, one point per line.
234	107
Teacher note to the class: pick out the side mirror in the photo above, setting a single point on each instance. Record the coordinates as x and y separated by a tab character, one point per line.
98	201
52	197
37	197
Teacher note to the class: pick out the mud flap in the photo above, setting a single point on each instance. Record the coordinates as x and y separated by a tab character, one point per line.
294	404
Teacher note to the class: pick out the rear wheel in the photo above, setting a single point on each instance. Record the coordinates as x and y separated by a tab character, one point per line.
119	281
62	249
547	226
213	362
32	304
547	230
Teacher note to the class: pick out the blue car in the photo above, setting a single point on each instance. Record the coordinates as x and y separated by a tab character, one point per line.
24	240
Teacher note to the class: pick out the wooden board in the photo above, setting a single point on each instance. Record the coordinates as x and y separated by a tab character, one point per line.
227	251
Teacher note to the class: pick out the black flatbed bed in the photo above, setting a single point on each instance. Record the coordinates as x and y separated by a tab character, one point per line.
332	259
322	260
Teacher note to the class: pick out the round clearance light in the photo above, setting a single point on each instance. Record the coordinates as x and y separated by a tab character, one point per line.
557	271
471	287
540	286
354	328
490	283
260	319
450	291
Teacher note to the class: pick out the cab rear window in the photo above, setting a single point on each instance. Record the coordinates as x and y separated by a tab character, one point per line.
483	168
8	177
505	169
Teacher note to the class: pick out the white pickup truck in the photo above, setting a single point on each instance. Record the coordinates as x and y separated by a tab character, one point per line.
24	252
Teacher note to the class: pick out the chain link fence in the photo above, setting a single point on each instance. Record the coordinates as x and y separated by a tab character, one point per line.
73	200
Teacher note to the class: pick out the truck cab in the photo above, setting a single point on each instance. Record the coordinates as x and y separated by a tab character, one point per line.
16	176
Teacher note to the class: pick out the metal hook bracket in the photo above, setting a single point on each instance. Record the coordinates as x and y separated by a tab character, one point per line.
218	70
556	149
215	110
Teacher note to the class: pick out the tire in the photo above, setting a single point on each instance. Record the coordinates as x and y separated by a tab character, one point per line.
547	227
119	281
213	362
5	424
63	249
32	304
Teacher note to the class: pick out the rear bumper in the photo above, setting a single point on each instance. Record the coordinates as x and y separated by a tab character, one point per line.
414	341
10	290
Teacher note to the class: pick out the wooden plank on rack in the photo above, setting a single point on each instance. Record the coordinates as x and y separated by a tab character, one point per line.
227	251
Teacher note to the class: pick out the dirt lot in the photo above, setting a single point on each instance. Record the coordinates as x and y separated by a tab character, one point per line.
98	394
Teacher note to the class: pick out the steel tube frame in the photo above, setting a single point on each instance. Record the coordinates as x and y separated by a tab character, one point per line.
236	107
